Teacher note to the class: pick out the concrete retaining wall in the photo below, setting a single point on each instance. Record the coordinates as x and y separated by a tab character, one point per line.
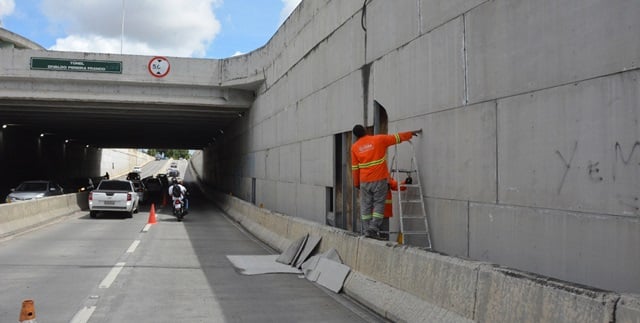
121	161
21	216
530	155
410	284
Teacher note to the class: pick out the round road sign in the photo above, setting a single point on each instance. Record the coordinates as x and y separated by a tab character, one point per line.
159	66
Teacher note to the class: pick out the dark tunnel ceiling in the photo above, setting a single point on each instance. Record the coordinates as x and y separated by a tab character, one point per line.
109	125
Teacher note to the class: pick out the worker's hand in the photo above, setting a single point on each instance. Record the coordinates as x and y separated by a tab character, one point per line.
416	132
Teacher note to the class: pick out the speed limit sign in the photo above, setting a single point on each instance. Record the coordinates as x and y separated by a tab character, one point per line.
159	66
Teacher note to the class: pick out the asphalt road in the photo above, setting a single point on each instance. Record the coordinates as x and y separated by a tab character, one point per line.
109	270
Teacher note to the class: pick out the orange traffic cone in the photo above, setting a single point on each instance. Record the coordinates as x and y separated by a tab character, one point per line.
152	214
28	312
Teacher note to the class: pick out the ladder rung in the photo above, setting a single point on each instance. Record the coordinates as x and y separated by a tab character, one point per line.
414	232
413	217
410	185
411	201
393	170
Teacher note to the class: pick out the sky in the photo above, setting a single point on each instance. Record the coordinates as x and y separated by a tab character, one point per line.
179	28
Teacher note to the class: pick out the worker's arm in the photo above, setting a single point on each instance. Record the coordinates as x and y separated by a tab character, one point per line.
404	136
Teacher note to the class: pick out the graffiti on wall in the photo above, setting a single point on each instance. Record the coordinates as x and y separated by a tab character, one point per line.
625	157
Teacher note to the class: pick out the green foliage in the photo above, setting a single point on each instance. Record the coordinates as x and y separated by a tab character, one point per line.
170	153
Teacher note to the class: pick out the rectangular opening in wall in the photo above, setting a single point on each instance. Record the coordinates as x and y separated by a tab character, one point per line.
331	218
253	190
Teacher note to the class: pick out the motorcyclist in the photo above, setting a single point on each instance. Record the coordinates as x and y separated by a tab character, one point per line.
181	193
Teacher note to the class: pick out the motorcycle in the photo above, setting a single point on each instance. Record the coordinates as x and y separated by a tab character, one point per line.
178	209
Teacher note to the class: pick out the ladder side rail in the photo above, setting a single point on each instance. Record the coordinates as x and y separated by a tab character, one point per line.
424	209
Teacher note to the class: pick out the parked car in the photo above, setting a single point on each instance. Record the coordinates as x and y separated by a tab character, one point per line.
29	190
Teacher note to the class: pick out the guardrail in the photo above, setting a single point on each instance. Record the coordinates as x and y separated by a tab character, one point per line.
21	216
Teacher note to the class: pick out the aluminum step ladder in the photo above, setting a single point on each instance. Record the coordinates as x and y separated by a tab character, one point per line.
414	225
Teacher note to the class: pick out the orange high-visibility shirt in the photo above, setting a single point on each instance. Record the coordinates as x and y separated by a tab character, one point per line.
369	156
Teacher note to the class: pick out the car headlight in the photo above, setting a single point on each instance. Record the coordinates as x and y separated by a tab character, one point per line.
40	195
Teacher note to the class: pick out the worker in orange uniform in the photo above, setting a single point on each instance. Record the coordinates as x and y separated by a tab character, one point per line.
370	174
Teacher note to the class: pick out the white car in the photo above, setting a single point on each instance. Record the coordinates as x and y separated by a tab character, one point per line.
137	169
114	196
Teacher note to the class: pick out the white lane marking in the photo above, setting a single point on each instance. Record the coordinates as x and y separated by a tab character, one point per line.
111	276
83	315
133	246
146	227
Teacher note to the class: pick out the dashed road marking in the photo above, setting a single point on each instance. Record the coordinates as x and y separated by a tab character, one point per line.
111	276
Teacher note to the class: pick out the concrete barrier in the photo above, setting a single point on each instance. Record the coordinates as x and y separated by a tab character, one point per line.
410	284
20	216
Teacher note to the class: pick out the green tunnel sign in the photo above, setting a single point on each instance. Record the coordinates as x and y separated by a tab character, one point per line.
76	65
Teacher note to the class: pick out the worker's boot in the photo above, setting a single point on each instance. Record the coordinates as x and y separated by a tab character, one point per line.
373	230
365	226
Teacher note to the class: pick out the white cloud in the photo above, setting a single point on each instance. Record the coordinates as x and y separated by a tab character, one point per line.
6	8
237	53
289	6
152	27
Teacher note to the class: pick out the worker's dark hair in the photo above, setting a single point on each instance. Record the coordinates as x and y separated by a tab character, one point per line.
358	131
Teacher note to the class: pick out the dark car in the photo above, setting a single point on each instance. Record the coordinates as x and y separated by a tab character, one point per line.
30	190
154	186
133	176
173	172
141	190
78	184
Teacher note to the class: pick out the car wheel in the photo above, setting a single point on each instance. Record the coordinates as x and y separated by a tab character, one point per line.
93	214
130	214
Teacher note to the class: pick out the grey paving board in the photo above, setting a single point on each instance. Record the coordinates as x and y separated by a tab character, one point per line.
260	264
288	256
309	246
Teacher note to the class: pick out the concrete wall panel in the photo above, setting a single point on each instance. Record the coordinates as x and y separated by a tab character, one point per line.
573	147
272	164
594	250
456	152
287	121
290	163
384	34
449	226
516	46
434	13
286	199
424	76
312	116
316	162
344	103
266	194
310	203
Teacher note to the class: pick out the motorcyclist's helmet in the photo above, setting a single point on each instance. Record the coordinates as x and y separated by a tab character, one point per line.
174	181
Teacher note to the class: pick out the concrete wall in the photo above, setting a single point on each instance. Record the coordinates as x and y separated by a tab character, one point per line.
20	216
409	284
119	162
531	148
